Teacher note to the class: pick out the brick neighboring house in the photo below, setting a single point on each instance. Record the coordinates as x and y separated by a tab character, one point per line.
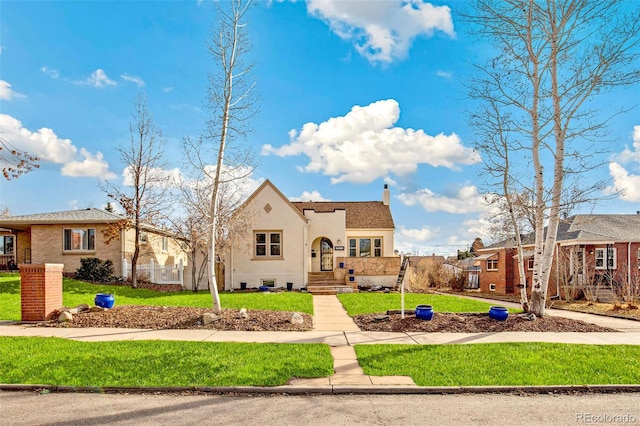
592	250
66	237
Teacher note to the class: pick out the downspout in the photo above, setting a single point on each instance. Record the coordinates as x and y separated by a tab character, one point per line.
557	296
305	259
629	269
231	265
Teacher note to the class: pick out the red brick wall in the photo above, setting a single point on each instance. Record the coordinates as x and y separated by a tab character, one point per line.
40	290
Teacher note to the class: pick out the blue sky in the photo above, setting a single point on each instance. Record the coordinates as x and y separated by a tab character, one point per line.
342	112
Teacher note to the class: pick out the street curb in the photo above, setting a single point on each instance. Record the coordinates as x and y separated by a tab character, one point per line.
329	390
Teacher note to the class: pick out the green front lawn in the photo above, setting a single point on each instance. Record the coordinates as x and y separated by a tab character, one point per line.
502	364
53	361
371	303
77	292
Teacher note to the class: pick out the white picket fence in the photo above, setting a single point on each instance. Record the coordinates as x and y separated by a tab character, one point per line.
157	274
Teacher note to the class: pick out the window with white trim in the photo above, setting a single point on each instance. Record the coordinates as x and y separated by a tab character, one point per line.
492	264
268	244
143	237
165	244
365	247
79	239
639	258
530	263
608	253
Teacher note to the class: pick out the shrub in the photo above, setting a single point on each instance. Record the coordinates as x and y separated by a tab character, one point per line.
95	270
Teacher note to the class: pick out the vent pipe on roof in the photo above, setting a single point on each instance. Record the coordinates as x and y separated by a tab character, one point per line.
386	195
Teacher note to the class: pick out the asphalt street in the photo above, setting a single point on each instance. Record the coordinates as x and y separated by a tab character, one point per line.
33	408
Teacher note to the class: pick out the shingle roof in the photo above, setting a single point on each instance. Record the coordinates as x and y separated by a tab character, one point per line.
359	214
90	215
588	228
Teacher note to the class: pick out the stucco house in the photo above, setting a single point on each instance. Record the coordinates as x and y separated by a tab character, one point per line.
66	237
593	251
322	246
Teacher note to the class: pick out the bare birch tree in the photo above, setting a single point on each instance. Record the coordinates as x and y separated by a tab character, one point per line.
231	103
142	196
554	57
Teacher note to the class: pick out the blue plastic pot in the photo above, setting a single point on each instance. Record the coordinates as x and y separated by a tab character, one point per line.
499	313
264	288
424	312
104	300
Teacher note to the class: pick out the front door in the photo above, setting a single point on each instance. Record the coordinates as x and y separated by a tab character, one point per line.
326	255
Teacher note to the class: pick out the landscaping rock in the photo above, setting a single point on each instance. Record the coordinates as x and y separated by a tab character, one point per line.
528	316
380	318
208	318
296	318
65	317
243	313
97	309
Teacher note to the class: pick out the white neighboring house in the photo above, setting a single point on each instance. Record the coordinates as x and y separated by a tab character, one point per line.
325	246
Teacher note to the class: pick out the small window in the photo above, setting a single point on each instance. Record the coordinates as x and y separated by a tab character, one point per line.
143	237
492	264
6	244
638	258
269	282
377	247
79	239
610	254
268	244
165	244
365	247
492	287
353	251
530	263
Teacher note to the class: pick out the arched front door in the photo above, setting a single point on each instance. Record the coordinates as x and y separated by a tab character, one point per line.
326	255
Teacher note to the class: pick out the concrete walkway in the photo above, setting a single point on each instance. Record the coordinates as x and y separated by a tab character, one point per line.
332	326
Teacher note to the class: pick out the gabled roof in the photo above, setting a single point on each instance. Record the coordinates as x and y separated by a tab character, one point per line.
587	228
359	214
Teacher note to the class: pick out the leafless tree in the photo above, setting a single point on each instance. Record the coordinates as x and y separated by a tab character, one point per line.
231	102
142	195
554	57
15	162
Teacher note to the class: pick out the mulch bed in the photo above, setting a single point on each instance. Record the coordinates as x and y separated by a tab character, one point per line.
171	317
472	323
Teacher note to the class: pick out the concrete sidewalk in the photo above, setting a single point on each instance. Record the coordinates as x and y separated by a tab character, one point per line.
332	326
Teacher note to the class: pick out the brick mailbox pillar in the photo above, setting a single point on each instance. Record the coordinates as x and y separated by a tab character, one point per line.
40	290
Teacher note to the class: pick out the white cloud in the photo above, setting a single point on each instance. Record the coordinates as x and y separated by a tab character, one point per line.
415	235
98	79
90	166
167	89
133	79
625	183
444	74
53	73
628	155
363	146
465	199
7	93
382	31
310	196
45	144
